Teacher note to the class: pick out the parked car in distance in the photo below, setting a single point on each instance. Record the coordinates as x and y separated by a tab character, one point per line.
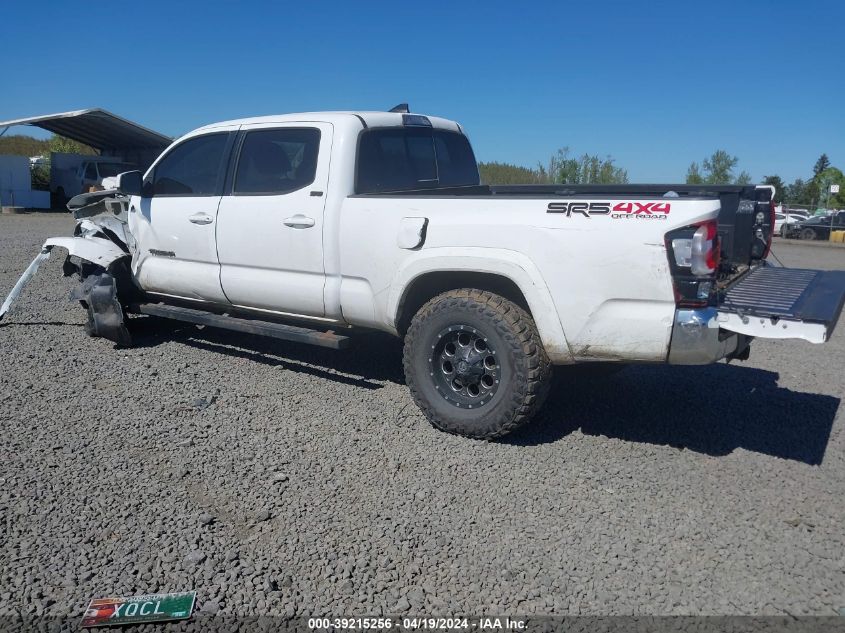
72	174
781	220
786	217
817	227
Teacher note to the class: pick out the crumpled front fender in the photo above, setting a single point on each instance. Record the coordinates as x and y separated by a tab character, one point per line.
96	250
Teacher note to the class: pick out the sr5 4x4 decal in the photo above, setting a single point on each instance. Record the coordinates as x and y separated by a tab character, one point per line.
620	210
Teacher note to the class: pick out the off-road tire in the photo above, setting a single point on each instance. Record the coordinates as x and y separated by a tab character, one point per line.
525	370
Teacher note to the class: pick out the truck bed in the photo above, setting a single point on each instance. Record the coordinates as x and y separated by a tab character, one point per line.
741	244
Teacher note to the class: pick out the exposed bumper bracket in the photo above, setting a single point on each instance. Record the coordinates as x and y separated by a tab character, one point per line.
697	339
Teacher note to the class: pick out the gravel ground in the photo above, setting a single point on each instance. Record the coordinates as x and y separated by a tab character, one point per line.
276	478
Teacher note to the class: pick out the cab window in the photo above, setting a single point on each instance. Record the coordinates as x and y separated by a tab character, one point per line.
91	171
276	161
409	158
192	168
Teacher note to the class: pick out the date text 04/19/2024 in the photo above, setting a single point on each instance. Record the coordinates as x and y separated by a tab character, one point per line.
418	623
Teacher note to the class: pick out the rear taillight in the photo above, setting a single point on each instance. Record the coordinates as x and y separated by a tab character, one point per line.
697	252
693	260
705	255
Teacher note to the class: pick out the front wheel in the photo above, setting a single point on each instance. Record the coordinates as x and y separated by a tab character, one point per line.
808	234
475	364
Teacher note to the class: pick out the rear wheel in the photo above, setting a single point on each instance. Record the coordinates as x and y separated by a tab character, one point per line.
808	234
475	365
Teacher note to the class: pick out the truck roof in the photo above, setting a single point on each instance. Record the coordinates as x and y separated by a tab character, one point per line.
341	118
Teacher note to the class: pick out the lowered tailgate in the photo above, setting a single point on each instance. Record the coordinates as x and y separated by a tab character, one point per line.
784	303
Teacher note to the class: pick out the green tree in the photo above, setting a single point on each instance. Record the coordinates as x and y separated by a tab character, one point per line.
694	176
802	192
744	178
831	176
61	144
717	169
40	177
821	164
506	174
778	184
812	193
585	170
561	168
796	192
21	145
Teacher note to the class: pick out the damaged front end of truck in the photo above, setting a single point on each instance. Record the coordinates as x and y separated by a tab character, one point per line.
99	253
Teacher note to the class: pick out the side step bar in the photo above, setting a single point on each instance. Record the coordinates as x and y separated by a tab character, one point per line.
249	326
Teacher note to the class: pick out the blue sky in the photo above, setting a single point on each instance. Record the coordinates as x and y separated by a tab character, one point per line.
655	84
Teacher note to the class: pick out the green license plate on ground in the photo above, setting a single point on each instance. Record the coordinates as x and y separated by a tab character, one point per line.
132	610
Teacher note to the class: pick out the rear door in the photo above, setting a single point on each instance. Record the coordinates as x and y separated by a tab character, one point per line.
270	223
174	222
782	303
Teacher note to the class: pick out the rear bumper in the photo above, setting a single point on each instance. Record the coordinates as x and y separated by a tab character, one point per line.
768	302
697	338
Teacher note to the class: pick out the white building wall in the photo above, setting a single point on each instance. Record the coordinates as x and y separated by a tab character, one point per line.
16	184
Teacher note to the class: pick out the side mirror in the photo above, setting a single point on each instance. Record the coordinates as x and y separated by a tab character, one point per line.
129	183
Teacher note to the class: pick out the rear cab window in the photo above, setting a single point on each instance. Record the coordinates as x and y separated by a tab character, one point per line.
410	158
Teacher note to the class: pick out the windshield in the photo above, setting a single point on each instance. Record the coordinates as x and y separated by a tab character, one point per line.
108	170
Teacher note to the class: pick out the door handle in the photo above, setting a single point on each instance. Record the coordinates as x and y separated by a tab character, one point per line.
299	221
201	218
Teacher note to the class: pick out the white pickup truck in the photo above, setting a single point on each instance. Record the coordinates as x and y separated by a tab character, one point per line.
308	227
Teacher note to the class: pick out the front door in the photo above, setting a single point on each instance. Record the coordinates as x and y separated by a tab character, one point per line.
270	223
174	222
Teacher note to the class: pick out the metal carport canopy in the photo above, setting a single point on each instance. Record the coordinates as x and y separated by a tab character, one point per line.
97	128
